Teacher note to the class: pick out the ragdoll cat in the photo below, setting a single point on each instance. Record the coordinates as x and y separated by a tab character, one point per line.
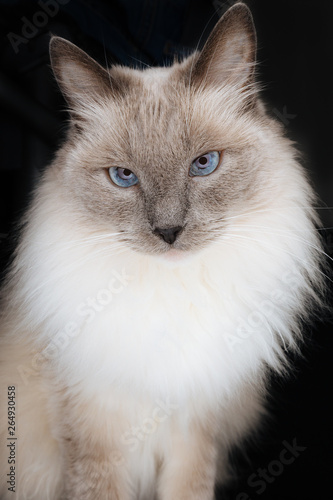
164	267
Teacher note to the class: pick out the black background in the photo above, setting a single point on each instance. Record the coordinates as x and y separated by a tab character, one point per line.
295	42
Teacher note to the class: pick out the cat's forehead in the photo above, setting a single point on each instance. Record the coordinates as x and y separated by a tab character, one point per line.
160	110
151	89
152	110
153	78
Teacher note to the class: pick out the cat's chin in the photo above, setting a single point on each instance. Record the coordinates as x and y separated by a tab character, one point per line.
175	255
175	258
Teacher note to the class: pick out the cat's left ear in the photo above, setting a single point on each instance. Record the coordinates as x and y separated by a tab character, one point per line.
230	52
81	79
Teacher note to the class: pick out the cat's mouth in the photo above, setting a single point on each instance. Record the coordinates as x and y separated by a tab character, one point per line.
175	244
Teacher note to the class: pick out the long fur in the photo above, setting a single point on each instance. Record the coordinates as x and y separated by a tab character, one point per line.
143	352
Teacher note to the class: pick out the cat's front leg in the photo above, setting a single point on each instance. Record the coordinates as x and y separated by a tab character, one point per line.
94	463
189	472
93	475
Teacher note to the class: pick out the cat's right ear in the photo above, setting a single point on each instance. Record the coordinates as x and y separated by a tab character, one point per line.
229	54
81	79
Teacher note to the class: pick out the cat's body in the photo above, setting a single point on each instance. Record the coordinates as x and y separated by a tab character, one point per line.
137	367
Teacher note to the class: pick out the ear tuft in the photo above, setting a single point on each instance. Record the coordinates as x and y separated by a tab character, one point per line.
230	51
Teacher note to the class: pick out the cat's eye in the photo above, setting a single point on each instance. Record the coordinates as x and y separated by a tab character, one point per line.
123	177
205	164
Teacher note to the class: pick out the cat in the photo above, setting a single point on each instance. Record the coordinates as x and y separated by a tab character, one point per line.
164	269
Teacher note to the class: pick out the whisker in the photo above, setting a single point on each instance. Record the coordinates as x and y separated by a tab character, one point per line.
289	233
80	262
233	244
291	207
299	259
82	242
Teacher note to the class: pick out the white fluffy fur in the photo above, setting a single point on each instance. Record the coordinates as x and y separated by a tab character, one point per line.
174	333
140	346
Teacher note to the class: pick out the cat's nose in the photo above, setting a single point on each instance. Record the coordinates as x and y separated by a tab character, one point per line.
168	234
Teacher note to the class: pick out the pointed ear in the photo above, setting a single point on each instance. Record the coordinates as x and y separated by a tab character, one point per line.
81	79
230	51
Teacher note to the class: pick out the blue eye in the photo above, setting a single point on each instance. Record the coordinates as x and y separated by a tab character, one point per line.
123	177
205	164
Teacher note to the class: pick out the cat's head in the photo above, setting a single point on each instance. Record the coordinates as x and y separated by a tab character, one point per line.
166	156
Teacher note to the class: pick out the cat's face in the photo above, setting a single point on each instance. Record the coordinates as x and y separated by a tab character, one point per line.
164	157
